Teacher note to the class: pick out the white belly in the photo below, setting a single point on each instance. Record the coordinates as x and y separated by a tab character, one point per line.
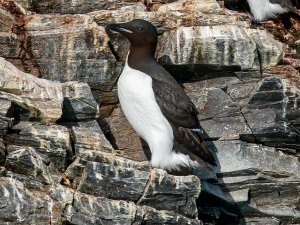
143	113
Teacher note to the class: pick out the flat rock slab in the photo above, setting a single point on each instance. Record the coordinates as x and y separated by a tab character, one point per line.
104	174
79	103
19	206
31	98
52	141
87	209
174	193
219	45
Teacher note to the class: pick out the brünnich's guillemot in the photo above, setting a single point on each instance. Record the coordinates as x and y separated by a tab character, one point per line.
156	105
266	9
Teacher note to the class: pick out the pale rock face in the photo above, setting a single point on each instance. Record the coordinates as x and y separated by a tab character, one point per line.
42	99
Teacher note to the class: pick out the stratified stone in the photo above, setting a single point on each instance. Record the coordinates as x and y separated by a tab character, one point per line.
2	151
273	114
75	7
90	138
19	206
128	142
9	41
213	103
113	177
27	161
5	124
89	210
226	128
52	141
261	221
174	193
153	216
59	197
79	103
31	98
72	47
227	45
270	177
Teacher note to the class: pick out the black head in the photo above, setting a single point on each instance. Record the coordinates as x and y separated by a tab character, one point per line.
139	32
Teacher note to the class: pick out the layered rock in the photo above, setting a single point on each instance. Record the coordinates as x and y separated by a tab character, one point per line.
56	165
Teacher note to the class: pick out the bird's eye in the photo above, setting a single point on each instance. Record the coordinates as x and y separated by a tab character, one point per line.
141	29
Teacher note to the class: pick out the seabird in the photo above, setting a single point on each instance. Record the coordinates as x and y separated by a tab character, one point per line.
156	105
264	9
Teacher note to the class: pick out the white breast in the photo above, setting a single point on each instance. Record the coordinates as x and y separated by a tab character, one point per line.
143	113
263	9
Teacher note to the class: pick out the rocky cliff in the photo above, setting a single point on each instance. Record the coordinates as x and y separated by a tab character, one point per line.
68	155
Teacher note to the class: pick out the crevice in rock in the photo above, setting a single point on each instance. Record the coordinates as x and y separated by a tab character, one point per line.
137	202
107	132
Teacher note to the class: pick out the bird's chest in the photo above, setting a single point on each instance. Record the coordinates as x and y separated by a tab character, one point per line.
138	102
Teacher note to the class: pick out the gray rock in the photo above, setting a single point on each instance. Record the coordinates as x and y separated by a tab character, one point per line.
19	206
2	151
113	177
26	161
74	7
79	103
152	217
88	209
174	193
65	54
31	98
90	138
52	141
227	128
215	45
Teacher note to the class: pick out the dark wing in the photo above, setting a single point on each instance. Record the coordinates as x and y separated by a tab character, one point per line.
182	115
175	104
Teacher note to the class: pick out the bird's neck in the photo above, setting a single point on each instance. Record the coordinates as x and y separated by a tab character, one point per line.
140	55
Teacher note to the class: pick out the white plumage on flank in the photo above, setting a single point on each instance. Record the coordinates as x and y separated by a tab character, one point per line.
143	113
263	9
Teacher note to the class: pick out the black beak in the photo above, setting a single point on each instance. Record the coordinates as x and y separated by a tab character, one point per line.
118	28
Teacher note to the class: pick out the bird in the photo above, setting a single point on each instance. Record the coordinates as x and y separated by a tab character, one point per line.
156	105
266	9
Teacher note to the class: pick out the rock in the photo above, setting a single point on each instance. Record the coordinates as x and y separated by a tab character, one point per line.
87	209
19	206
5	124
163	189
31	98
153	216
266	174
26	161
207	44
2	152
79	103
51	141
87	138
58	6
113	177
76	47
272	113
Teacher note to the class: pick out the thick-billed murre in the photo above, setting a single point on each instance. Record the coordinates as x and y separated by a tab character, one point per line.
156	105
266	9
